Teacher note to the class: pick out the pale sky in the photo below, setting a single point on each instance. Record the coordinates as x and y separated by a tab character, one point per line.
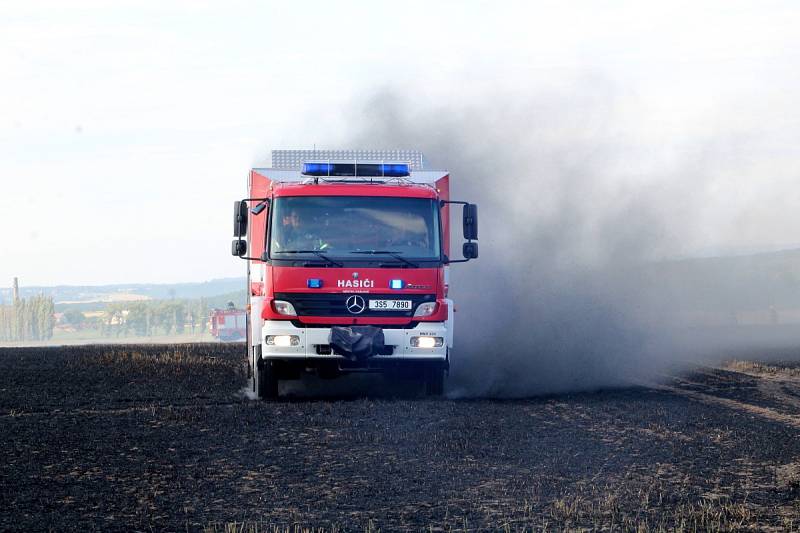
127	128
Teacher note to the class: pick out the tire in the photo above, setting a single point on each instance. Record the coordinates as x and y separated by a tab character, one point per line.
265	380
434	381
254	357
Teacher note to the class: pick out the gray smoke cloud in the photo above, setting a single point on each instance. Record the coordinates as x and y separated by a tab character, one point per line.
573	216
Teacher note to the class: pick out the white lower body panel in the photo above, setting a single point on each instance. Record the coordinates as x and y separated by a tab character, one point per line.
310	338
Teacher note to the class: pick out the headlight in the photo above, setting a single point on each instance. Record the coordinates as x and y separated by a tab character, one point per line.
425	309
282	340
427	342
283	308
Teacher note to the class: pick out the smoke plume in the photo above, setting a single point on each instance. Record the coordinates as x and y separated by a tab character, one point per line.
573	216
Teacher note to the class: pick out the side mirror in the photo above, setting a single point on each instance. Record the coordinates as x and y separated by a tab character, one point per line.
470	250
239	247
258	209
470	215
239	218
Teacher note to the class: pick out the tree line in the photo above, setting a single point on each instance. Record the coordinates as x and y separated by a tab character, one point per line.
148	318
27	319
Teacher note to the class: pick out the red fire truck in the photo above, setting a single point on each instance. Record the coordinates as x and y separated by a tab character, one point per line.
348	256
229	324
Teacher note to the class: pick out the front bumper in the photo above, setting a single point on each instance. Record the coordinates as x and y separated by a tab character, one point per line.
316	340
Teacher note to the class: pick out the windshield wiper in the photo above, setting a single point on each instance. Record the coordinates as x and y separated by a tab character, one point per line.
315	252
396	255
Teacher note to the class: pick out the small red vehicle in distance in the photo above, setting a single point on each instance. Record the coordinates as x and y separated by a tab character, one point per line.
228	324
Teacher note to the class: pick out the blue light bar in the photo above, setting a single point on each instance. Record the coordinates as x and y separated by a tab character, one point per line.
396	284
373	170
314	283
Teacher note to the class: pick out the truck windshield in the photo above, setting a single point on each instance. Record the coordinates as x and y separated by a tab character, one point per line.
355	227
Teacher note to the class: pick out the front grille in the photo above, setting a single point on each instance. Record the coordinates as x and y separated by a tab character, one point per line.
404	325
334	304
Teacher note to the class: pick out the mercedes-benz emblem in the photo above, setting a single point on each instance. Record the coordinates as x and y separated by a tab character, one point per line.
355	304
355	275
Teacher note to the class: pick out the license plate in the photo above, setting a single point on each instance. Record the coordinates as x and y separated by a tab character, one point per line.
390	305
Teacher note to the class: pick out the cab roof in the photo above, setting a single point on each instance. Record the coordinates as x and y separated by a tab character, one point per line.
420	184
354	189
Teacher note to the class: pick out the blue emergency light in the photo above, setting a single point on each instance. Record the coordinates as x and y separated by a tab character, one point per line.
314	283
396	170
317	169
372	170
396	284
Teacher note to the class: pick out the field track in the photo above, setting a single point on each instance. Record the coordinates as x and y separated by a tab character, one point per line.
161	438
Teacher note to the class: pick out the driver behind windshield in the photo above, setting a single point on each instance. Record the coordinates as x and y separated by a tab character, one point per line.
295	234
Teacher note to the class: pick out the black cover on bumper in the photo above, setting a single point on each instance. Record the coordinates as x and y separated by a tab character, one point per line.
357	342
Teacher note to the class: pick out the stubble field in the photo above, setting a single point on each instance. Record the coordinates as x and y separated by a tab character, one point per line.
161	438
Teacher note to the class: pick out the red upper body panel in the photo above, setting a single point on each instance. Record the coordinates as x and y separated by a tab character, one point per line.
367	280
341	281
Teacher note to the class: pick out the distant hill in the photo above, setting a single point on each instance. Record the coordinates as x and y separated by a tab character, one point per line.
130	291
735	283
239	299
725	284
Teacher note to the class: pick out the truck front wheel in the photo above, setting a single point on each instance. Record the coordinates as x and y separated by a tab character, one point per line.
434	380
265	379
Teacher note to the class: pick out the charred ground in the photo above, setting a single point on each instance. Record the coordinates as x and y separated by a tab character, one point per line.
161	437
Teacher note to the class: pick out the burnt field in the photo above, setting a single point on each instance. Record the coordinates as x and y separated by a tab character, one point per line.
161	438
